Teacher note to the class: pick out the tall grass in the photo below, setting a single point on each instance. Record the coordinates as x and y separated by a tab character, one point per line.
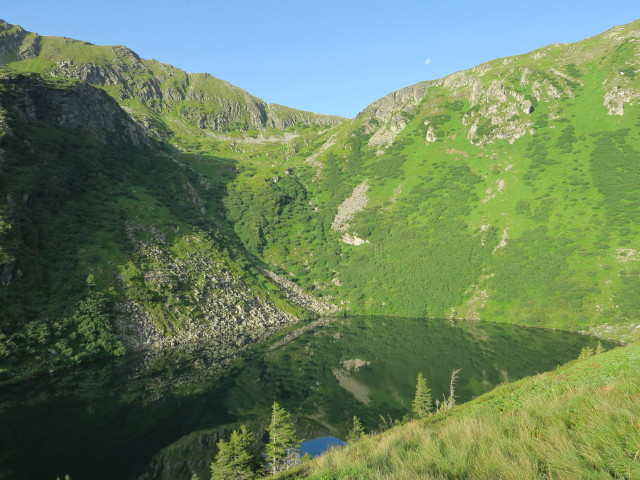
579	422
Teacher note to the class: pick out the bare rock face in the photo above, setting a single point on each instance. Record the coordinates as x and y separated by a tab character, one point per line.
79	106
430	137
384	118
401	100
503	113
352	205
617	96
11	38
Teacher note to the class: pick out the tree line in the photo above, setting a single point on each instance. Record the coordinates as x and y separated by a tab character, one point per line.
235	459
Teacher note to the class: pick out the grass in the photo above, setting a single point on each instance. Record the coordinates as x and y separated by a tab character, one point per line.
579	421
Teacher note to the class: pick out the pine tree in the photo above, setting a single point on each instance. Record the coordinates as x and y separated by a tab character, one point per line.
599	348
357	431
586	352
421	405
282	449
234	459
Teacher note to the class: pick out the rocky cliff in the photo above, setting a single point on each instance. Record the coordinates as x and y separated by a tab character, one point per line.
71	105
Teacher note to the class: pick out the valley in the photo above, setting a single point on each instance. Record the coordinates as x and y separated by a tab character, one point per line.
176	254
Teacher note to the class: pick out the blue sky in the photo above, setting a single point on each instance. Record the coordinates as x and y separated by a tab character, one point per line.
331	57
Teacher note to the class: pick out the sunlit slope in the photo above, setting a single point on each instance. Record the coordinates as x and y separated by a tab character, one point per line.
579	421
508	192
167	101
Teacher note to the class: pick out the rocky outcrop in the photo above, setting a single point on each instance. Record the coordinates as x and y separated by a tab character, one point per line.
619	90
210	302
500	113
430	136
11	38
404	100
385	135
76	106
353	239
281	117
299	297
385	118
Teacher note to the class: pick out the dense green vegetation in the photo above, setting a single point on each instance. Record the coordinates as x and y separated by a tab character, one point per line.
578	421
90	224
530	217
516	203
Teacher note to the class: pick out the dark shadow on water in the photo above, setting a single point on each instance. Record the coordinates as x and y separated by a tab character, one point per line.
160	416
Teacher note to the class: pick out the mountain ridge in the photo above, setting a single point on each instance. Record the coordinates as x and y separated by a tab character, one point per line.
154	87
509	134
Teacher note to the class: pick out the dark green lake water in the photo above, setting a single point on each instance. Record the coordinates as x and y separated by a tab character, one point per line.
148	417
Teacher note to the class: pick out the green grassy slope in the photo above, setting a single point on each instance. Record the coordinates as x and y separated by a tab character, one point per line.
579	421
508	192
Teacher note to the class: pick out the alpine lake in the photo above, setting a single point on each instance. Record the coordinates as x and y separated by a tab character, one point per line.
160	415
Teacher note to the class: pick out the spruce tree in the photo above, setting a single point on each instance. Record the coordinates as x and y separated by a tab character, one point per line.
586	352
235	459
357	431
282	449
421	405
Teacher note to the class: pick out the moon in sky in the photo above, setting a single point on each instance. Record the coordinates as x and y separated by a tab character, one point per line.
427	61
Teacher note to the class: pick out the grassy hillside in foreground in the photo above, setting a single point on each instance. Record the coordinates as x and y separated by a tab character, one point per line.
581	420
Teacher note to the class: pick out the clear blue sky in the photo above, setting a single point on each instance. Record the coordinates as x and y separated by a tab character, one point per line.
331	56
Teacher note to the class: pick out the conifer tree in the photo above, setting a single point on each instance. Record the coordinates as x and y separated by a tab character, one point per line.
586	352
234	459
421	405
282	449
599	348
357	431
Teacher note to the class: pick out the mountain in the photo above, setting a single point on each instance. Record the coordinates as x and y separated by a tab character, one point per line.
153	92
507	192
145	207
109	240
